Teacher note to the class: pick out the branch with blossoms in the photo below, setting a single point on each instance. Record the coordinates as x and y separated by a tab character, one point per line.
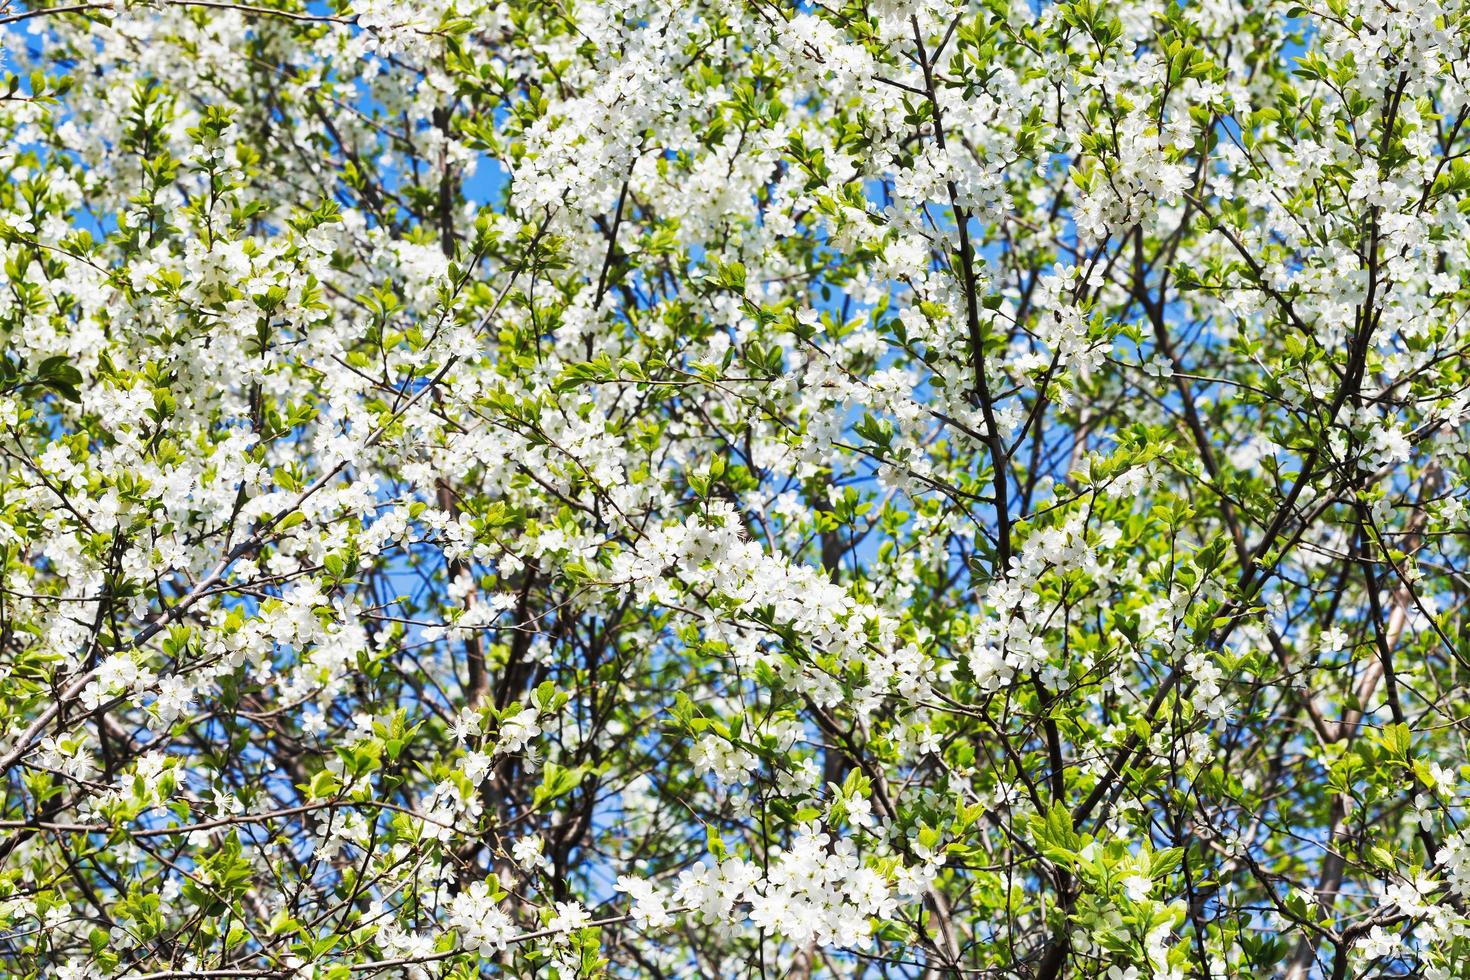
912	488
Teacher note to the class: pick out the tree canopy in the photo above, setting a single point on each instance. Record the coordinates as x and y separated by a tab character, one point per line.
734	489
